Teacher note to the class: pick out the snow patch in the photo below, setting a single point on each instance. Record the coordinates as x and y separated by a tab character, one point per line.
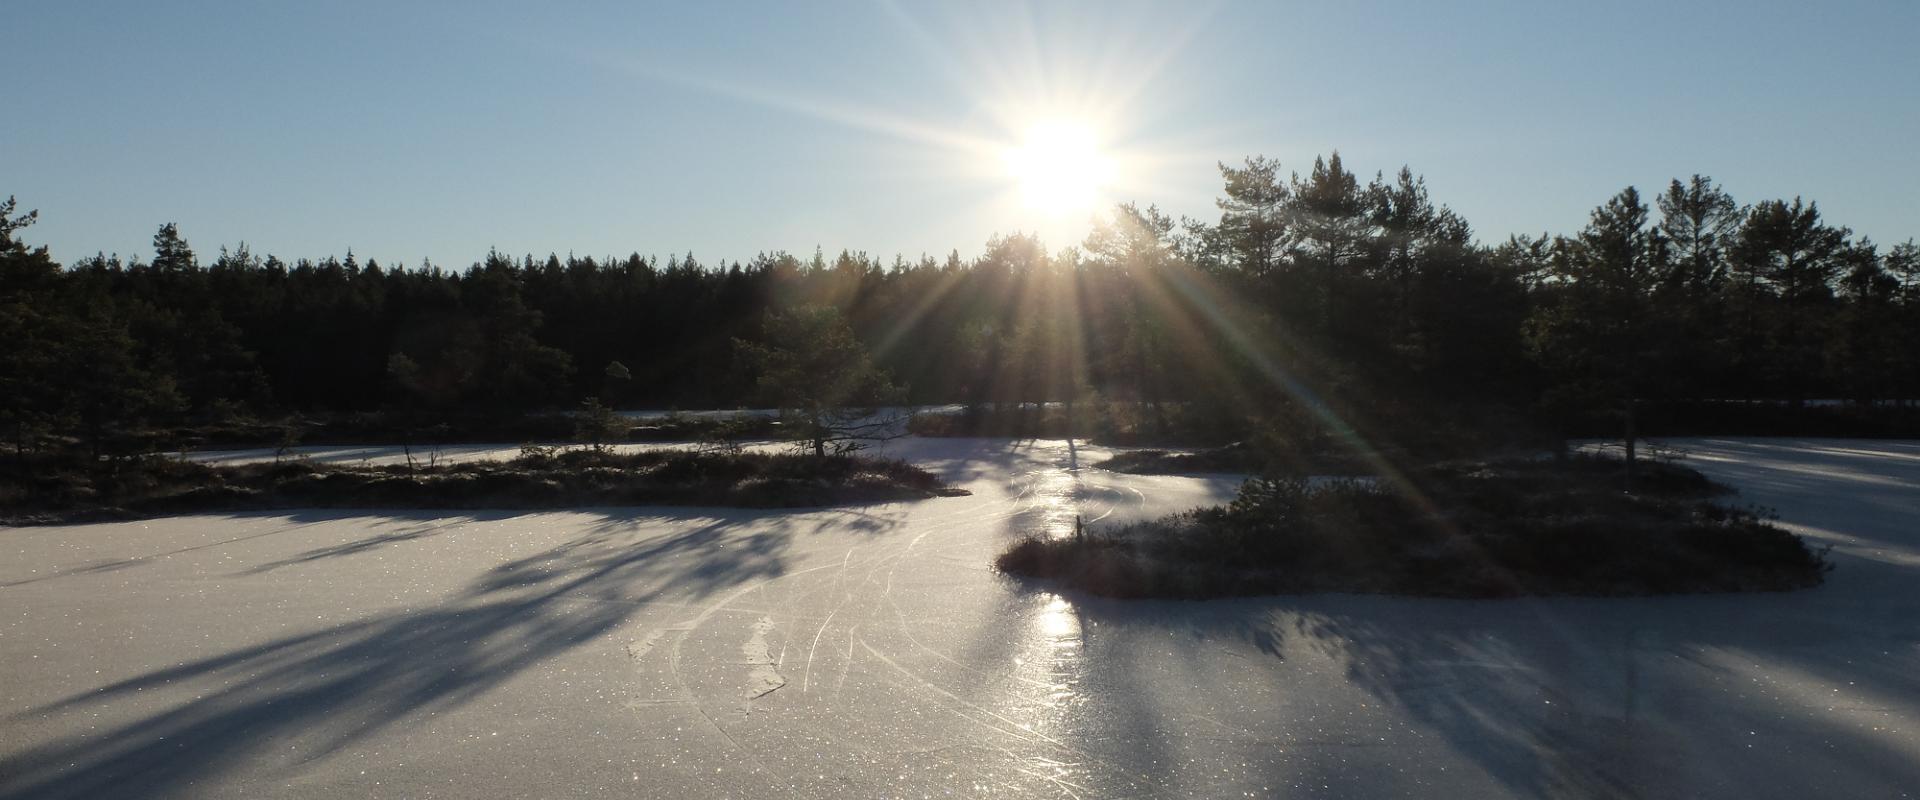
764	677
639	648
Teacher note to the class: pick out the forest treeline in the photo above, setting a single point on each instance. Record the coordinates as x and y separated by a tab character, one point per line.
1335	298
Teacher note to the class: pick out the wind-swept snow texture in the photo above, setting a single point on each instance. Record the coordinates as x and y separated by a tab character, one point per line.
871	652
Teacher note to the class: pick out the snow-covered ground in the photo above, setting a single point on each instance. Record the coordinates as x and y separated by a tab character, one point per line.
389	455
871	652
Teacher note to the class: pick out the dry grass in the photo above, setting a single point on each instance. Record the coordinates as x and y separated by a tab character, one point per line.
50	490
1471	530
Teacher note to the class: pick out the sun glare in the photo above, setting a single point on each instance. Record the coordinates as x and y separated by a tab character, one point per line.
1060	168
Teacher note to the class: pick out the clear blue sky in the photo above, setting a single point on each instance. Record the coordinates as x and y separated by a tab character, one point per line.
410	130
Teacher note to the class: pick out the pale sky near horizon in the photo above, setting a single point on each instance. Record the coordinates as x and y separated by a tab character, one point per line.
410	130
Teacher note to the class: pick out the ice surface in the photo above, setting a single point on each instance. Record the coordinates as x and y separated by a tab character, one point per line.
624	652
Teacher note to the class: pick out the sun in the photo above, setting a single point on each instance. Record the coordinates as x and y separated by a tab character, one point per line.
1060	167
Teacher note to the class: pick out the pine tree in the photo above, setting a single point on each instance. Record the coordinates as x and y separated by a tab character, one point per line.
170	252
1253	221
1699	221
1600	337
822	379
1787	250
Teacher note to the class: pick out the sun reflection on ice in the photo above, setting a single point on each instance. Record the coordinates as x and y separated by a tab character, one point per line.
1052	655
1059	627
1046	700
1056	496
1058	622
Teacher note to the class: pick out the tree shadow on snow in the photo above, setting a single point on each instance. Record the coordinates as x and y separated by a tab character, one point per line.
332	687
1800	694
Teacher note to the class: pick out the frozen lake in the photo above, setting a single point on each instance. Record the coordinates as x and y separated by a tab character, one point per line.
872	652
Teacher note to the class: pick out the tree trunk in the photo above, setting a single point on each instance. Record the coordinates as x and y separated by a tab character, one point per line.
1632	449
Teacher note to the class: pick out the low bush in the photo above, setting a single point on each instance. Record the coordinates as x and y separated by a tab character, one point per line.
51	490
1485	529
379	428
1239	457
1106	422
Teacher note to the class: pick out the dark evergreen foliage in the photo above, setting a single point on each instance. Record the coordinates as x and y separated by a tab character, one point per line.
1362	302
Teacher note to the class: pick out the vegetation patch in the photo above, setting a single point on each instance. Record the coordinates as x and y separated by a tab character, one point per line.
596	424
1107	422
1481	529
1289	440
48	490
690	428
1022	421
1289	436
1239	457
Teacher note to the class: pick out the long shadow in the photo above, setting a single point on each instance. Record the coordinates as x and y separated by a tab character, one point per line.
1568	699
959	460
1796	694
89	568
117	564
348	681
1549	697
377	541
426	523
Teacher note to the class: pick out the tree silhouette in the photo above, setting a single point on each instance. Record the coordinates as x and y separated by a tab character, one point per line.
1372	299
1253	219
1787	249
1600	334
813	369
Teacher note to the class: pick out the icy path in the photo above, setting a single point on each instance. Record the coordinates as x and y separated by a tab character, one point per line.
871	652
